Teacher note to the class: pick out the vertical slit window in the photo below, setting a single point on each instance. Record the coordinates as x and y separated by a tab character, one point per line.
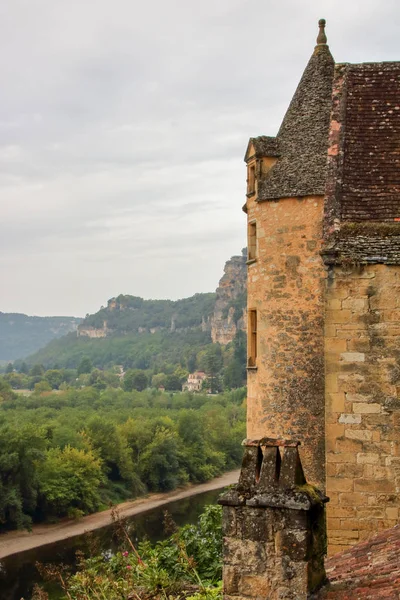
251	179
252	336
252	241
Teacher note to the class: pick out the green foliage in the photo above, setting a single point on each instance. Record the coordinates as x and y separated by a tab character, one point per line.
6	393
42	386
235	371
172	382
117	443
186	565
23	368
69	479
160	463
130	313
37	370
85	366
135	379
132	350
55	378
212	365
21	453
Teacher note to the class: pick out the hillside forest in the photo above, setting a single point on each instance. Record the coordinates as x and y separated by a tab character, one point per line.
98	416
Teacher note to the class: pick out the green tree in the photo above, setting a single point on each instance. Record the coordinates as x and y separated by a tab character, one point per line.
97	379
42	386
191	362
213	366
158	380
112	448
233	375
54	377
6	393
173	383
85	366
135	379
160	464
21	452
16	380
69	479
24	368
9	368
37	371
140	381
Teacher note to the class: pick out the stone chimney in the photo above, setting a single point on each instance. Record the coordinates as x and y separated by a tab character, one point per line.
274	527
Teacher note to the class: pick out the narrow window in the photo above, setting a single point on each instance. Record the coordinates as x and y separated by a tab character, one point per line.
252	338
251	179
252	241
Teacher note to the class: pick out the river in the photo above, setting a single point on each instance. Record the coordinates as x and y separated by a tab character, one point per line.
18	573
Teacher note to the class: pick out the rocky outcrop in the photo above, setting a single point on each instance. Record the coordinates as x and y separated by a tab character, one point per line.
230	306
222	313
92	332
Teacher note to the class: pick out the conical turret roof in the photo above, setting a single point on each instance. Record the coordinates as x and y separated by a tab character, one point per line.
303	136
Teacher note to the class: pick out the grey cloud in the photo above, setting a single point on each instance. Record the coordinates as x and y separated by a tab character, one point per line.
123	130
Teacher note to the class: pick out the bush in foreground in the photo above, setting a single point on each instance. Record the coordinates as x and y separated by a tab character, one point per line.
188	565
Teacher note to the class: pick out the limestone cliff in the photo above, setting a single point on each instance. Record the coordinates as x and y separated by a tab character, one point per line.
230	305
221	313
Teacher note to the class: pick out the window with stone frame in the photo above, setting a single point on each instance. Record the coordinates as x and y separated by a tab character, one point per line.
251	179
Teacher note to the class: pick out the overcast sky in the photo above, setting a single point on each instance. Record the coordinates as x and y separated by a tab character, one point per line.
123	126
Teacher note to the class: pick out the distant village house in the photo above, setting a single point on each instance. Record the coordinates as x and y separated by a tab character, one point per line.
194	382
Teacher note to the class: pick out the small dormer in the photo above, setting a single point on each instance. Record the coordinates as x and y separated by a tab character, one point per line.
261	154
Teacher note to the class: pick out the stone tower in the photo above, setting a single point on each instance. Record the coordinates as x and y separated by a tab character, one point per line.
323	208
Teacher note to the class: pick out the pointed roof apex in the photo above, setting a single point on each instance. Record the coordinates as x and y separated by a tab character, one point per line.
302	138
321	39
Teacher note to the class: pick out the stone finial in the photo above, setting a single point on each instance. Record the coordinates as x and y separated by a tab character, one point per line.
321	39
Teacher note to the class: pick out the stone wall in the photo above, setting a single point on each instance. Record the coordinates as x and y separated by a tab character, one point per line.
362	353
285	287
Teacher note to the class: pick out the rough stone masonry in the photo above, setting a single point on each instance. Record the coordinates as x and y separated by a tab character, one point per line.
274	527
323	208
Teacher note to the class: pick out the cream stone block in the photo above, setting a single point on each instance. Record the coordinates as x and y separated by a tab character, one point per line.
370	458
358	434
359	305
356	398
392	513
334	304
338	316
349	419
353	356
365	408
335	345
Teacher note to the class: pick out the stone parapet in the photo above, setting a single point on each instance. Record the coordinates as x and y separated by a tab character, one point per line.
274	526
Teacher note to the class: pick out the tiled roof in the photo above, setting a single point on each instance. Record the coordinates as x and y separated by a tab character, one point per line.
362	206
264	145
368	571
371	151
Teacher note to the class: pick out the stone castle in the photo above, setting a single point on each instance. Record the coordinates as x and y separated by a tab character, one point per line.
323	209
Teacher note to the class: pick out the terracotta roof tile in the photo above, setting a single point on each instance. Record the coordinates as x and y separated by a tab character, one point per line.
371	164
362	208
369	570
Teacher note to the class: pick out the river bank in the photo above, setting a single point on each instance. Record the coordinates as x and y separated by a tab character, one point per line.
19	541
